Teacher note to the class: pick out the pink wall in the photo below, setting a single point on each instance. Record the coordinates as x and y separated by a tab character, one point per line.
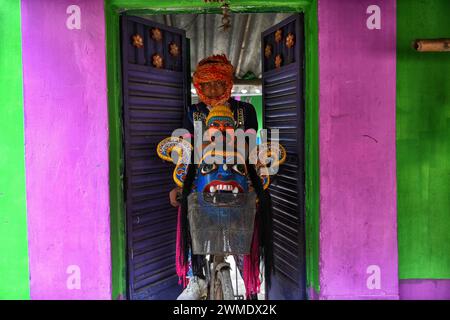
358	225
424	289
66	133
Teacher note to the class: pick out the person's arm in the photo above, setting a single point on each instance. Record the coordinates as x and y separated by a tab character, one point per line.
173	196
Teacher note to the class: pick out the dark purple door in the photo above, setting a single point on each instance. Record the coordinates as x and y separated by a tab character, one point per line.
155	91
283	108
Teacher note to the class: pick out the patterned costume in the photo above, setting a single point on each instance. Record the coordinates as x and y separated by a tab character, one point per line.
222	112
210	178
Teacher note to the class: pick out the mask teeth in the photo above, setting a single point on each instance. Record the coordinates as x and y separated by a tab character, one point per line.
223	187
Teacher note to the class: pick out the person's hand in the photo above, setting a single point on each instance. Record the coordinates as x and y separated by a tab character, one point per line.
173	197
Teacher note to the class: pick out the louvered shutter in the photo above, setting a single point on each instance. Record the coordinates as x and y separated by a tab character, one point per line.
153	104
283	108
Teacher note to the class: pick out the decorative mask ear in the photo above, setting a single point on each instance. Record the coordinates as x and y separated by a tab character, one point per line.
183	150
178	145
179	174
265	154
263	174
268	153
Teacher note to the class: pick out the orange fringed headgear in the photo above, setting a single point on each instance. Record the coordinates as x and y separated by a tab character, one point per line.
214	68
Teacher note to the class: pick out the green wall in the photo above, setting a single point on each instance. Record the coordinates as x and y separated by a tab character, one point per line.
117	205
256	101
14	273
423	142
112	9
312	172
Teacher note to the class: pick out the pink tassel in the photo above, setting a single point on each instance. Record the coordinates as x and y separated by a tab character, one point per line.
182	269
251	279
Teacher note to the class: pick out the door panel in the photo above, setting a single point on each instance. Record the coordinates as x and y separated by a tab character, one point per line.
283	109
153	105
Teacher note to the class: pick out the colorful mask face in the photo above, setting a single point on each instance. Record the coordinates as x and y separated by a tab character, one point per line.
220	123
219	172
210	171
220	177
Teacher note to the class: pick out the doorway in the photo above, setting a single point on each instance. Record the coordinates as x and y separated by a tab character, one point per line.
153	102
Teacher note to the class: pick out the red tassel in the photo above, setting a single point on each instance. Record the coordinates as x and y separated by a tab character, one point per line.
251	279
181	267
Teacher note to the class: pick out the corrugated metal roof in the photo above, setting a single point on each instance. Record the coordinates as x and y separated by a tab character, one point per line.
241	43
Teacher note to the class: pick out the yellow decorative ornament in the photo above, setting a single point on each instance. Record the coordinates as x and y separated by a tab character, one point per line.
272	154
219	111
183	150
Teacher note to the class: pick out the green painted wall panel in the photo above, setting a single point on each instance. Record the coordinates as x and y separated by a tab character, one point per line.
312	172
14	273
423	142
113	8
191	6
256	101
117	205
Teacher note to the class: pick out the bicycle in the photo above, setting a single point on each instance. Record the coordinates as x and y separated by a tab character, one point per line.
221	224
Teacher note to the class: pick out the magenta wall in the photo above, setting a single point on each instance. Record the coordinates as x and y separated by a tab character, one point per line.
358	226
424	289
66	135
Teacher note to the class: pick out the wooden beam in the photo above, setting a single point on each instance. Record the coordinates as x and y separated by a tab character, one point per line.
168	20
432	45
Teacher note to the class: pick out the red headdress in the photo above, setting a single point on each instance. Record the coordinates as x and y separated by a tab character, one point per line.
214	68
